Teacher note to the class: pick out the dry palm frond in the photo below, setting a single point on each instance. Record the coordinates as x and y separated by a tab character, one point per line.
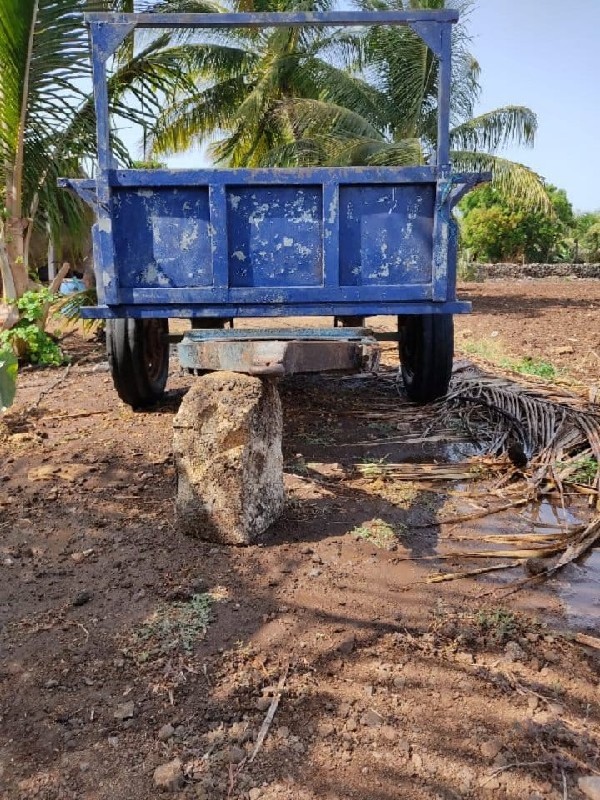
548	430
425	472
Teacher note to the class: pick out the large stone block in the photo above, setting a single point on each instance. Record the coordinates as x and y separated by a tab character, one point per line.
227	445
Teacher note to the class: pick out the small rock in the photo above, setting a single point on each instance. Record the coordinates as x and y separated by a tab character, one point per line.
306	550
590	786
165	733
489	784
169	777
125	711
82	598
556	709
491	748
514	652
399	682
533	702
404	747
564	351
389	733
316	559
51	684
255	794
416	763
283	732
372	719
314	573
236	755
263	703
347	646
113	741
352	724
325	729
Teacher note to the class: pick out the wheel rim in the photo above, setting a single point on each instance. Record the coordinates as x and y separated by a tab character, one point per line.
154	348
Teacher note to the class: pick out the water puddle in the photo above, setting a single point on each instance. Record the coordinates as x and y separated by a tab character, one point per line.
577	587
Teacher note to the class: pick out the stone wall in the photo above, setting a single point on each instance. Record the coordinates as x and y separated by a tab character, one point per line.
480	272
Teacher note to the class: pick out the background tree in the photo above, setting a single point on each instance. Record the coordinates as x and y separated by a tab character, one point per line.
494	228
586	237
341	97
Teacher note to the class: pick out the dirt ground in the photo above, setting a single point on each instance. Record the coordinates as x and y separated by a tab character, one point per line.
125	646
556	321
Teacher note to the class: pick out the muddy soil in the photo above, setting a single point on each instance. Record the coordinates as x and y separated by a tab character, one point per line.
126	646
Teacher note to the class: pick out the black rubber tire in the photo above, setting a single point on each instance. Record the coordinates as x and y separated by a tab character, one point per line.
138	355
426	351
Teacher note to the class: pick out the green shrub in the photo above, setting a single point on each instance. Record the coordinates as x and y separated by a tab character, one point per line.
8	378
27	338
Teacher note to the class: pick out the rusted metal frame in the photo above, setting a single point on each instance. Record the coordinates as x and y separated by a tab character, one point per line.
272	20
227	310
267	176
217	200
331	234
277	294
107	288
278	353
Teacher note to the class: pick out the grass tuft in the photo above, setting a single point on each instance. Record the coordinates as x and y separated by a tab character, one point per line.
377	532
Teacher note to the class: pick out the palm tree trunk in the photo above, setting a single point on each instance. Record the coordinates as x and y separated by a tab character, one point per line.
14	250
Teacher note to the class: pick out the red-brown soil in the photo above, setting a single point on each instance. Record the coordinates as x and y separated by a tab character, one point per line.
390	687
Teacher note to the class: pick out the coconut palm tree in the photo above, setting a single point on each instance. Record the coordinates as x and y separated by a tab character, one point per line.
47	120
406	72
308	97
256	90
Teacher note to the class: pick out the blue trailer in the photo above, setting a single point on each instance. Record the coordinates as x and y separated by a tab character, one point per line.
211	245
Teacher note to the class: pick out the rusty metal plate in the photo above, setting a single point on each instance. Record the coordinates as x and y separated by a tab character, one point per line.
280	352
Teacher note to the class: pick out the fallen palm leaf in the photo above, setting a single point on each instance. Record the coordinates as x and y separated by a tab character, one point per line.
588	641
453	576
586	540
486	512
465	470
538	426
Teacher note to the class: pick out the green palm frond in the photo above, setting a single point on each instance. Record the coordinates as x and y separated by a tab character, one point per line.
496	129
189	122
512	179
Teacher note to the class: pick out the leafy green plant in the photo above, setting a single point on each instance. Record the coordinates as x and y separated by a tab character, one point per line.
501	624
27	338
580	470
377	532
176	625
69	307
372	467
531	366
491	350
8	378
